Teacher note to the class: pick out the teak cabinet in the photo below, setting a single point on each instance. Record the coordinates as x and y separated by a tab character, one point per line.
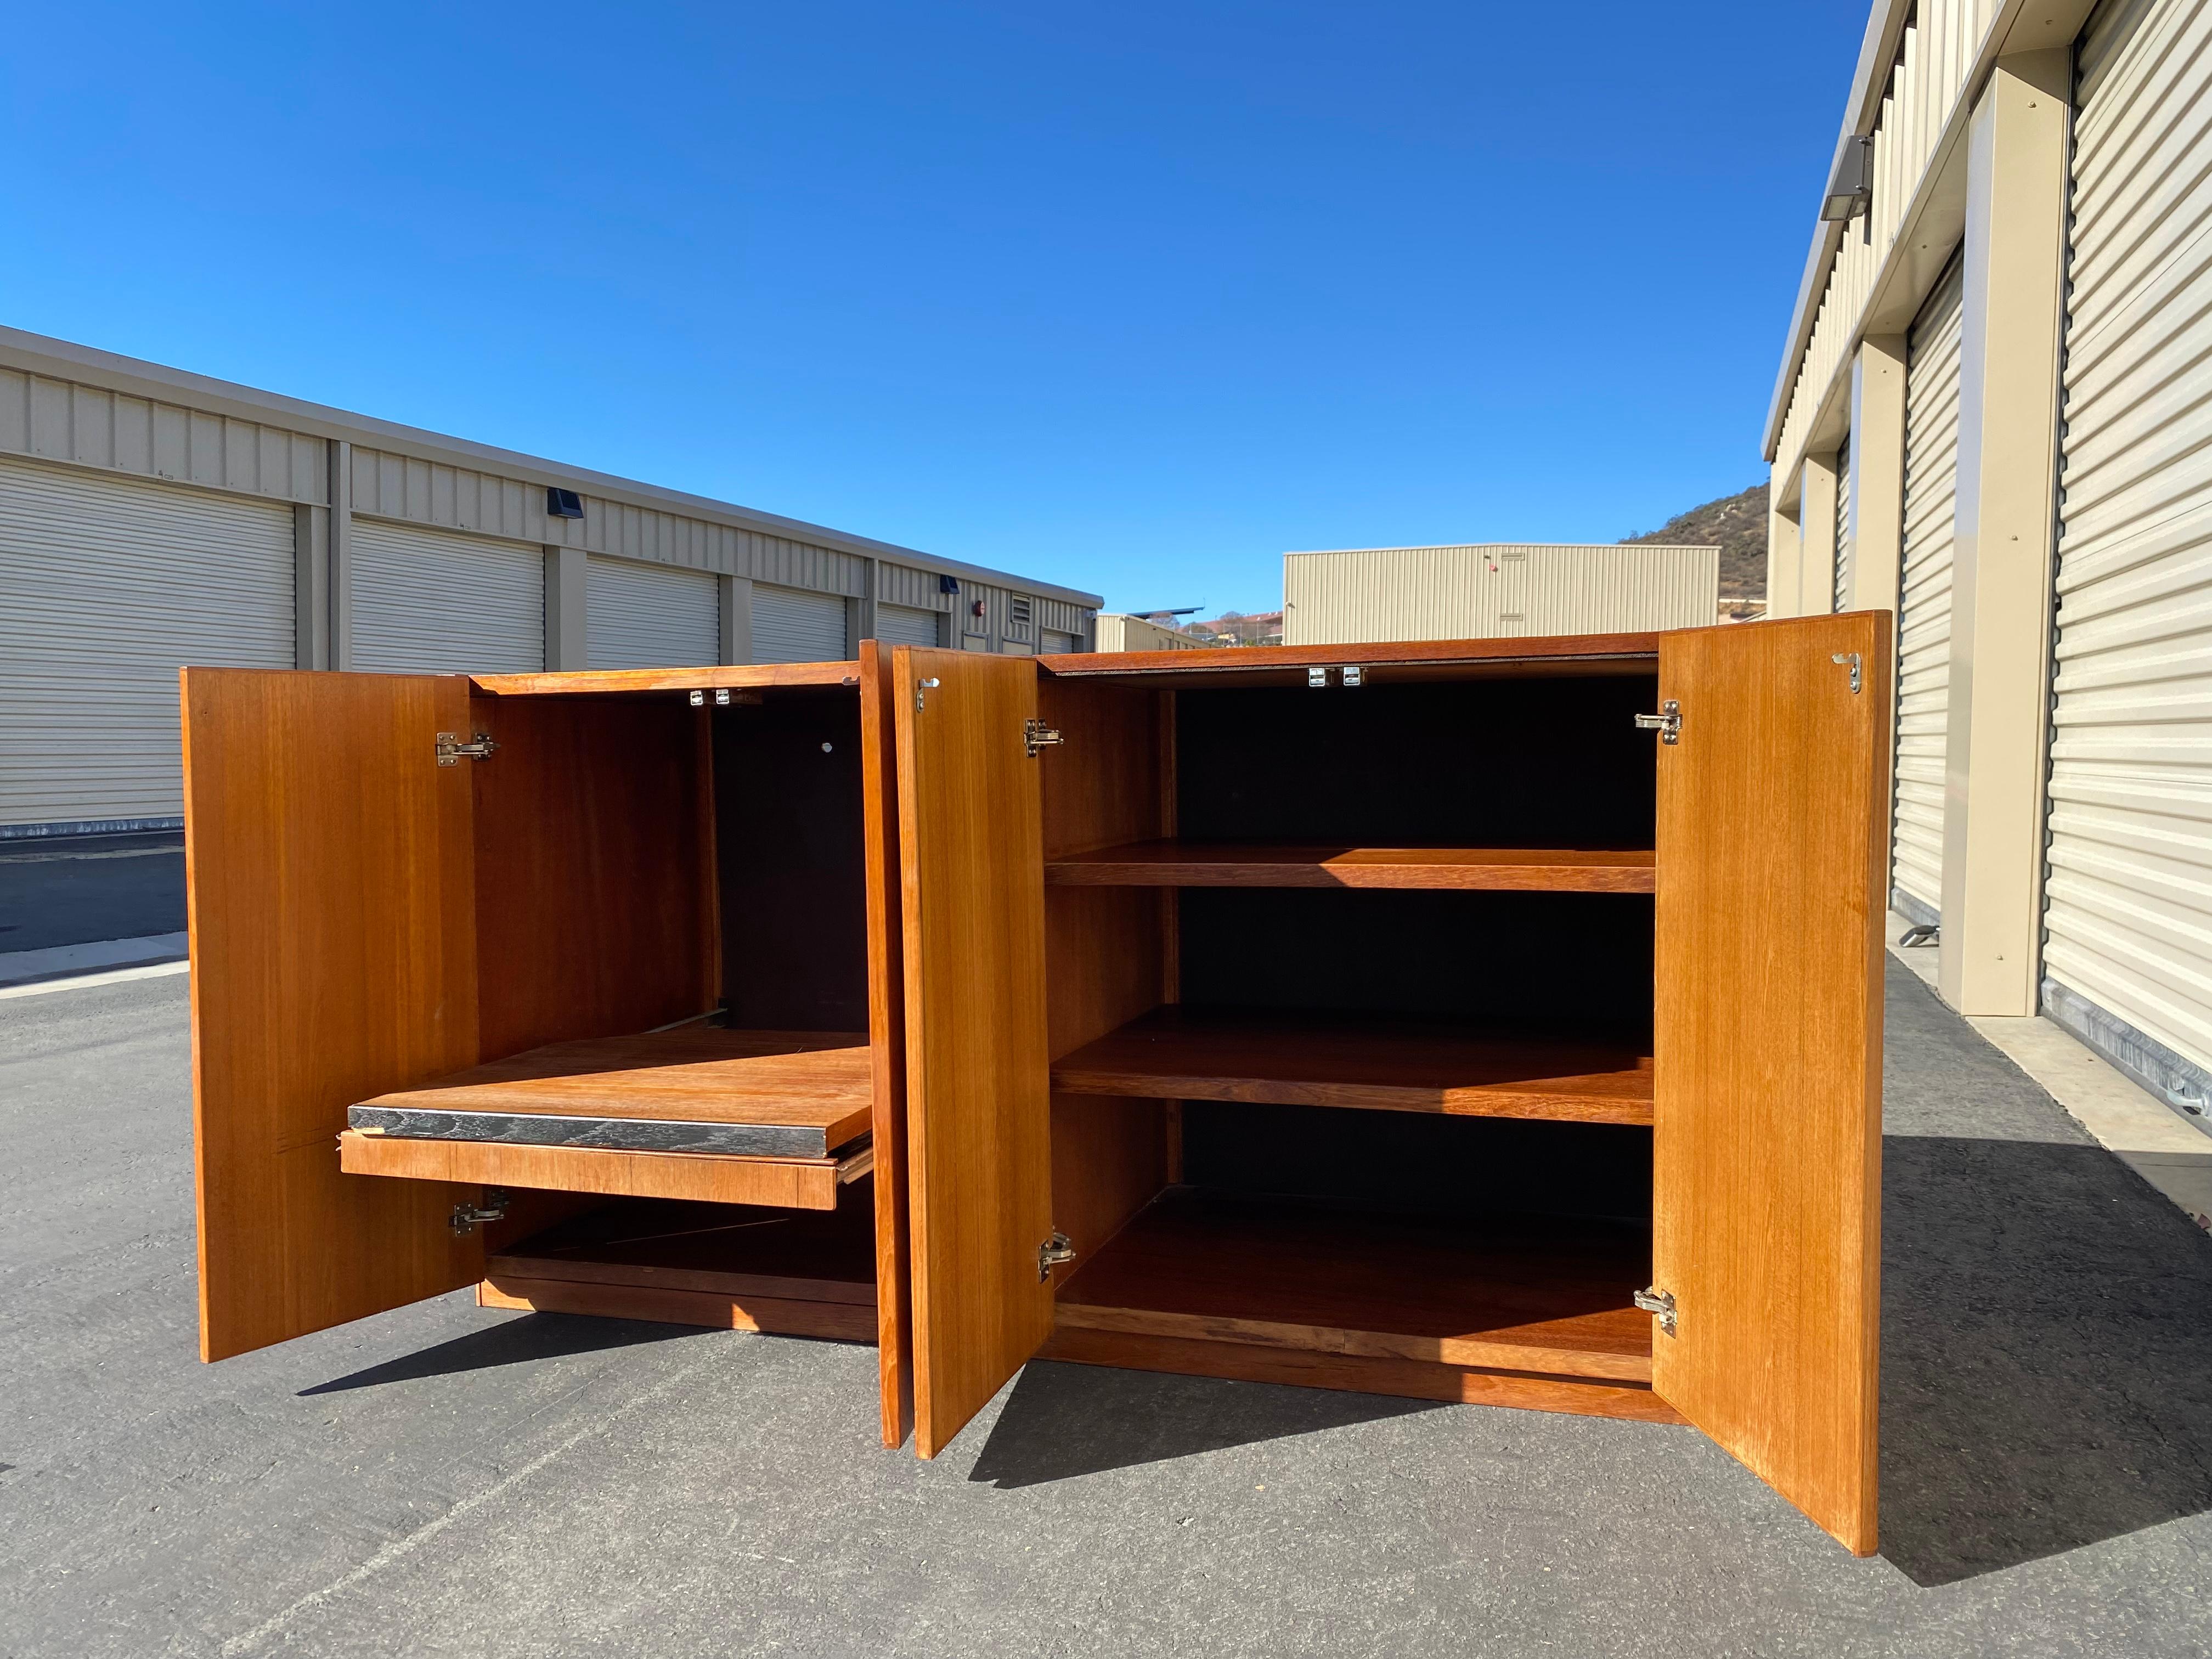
577	987
1492	1021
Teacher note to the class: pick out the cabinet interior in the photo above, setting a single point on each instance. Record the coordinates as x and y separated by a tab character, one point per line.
672	1012
1351	998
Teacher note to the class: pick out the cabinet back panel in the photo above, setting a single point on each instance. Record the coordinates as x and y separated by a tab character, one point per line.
1492	762
591	879
1554	964
1418	1164
788	832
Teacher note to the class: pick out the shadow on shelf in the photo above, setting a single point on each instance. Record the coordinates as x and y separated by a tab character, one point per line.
1062	1421
513	1342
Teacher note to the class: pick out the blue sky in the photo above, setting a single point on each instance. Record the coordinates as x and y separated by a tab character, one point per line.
1133	297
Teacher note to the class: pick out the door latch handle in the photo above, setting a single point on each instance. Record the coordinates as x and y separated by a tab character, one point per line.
1667	723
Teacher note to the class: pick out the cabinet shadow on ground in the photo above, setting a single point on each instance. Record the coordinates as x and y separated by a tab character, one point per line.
2046	1354
513	1342
1062	1421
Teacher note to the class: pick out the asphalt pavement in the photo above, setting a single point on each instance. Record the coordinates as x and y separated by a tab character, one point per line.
448	1479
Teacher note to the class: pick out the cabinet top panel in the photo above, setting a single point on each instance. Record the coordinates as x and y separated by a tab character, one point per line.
1288	664
601	681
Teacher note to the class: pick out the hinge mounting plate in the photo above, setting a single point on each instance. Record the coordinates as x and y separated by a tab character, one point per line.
452	749
1037	736
468	1217
921	689
1653	1300
1858	674
1667	722
1053	1253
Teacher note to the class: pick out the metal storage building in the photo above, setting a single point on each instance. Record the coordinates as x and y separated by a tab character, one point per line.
1121	633
151	518
2010	339
1495	590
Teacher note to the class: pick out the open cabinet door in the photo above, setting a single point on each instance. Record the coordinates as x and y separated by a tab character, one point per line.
979	1179
330	884
1767	1133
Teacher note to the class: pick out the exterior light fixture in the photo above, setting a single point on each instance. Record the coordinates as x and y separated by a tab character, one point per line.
563	503
948	584
1850	186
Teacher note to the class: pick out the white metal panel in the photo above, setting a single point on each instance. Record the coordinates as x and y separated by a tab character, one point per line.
792	625
1053	642
649	616
1496	589
2129	883
107	587
1842	599
428	602
899	625
1119	633
1923	632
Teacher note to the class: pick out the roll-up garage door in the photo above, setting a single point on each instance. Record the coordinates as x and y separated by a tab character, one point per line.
792	625
428	602
108	586
1923	632
1052	640
649	616
902	624
1843	592
2128	888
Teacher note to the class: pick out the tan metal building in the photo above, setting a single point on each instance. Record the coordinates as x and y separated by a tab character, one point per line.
151	518
1994	417
1117	632
1495	590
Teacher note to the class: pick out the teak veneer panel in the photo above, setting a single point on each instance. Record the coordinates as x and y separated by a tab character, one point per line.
811	1089
717	1310
1410	1379
789	1183
605	681
724	1250
1521	1294
1766	1154
1200	864
1370	1063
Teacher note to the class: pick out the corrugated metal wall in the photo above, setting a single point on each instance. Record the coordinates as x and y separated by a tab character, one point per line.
1119	633
1494	590
1923	633
2129	886
425	602
111	585
649	616
1938	54
1842	595
61	420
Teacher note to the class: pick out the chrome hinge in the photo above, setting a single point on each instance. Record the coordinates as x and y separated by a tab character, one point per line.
468	1217
1351	675
451	749
1317	679
1667	722
1653	1300
1851	657
921	686
1051	1253
1037	735
721	698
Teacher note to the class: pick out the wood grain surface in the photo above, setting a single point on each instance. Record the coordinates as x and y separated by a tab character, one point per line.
1524	1294
726	1250
793	1183
594	900
330	886
978	1127
1772	816
717	1310
1201	666
602	681
814	1080
886	1043
1201	864
1413	1379
1358	1061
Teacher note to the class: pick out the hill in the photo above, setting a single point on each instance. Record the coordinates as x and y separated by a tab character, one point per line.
1734	524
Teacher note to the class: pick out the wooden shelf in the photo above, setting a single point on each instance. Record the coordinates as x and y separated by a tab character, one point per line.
1487	869
1524	1294
700	1264
694	1089
1383	1065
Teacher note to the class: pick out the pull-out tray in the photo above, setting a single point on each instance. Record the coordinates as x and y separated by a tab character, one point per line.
694	1089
